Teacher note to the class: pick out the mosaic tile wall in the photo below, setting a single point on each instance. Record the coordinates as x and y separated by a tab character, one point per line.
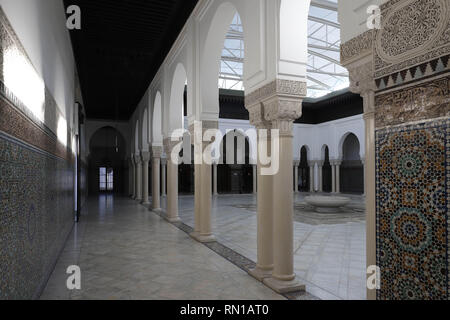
36	186
413	197
36	215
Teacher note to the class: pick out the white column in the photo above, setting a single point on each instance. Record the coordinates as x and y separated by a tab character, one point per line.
311	176
320	168
265	210
338	176
255	182
364	177
172	184
296	164
156	188
145	159
333	177
215	179
203	195
138	178
282	111
163	177
133	177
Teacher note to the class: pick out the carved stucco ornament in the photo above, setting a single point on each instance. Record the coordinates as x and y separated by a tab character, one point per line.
409	28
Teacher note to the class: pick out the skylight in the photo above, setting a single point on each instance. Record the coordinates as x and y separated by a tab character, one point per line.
324	72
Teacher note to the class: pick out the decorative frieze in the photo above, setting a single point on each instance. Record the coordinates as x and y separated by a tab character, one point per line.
413	32
357	48
423	101
277	87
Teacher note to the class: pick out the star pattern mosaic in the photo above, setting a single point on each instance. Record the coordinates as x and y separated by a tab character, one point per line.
413	181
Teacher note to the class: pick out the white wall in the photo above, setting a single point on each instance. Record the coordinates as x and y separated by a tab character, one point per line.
41	27
331	133
92	126
353	17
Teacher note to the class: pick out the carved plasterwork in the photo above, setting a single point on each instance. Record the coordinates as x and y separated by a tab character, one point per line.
412	32
423	101
282	112
157	152
276	87
357	48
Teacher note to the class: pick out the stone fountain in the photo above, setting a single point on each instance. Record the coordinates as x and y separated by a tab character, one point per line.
327	204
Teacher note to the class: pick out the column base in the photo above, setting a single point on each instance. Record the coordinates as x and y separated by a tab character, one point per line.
260	274
172	220
281	286
155	209
203	238
145	203
138	200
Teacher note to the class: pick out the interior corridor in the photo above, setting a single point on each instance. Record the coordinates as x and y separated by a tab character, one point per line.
125	251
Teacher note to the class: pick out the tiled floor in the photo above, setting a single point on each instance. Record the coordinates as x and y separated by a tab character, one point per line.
329	252
126	252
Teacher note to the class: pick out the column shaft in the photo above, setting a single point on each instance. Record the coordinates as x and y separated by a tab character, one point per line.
338	178
296	177
145	182
311	178
156	201
139	181
264	263
333	178
215	179
320	177
163	178
172	191
254	173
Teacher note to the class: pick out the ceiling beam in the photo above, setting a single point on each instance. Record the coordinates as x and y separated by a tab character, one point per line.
319	82
344	75
324	4
317	54
315	46
324	21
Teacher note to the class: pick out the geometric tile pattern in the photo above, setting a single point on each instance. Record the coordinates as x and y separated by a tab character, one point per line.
36	215
414	73
412	201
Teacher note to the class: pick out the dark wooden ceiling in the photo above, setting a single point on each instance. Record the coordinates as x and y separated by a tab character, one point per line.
119	49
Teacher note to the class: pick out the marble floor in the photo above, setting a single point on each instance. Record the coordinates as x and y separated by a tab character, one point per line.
125	251
329	249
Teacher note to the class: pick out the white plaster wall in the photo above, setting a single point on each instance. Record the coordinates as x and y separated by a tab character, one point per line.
41	28
91	127
328	133
331	133
352	15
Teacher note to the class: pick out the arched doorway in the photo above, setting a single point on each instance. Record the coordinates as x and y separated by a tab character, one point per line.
107	162
303	170
326	170
352	179
234	172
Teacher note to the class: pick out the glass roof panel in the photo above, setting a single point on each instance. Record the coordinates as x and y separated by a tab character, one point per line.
324	72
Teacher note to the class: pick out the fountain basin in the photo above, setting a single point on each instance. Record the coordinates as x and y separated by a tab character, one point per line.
327	204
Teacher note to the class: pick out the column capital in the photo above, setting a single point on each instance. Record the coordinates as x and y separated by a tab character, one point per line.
169	145
145	156
163	161
276	105
200	127
282	112
336	162
296	163
157	151
311	163
320	163
137	159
